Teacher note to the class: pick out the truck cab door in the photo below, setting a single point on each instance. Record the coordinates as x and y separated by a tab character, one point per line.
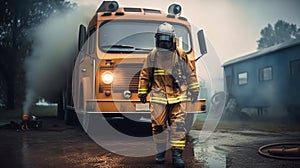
83	72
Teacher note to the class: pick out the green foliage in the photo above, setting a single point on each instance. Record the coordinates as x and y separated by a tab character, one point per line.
16	114
17	17
281	32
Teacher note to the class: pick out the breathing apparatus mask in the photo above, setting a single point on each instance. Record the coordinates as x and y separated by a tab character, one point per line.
165	37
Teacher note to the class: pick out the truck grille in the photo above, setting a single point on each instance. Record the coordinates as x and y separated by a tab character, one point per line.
126	77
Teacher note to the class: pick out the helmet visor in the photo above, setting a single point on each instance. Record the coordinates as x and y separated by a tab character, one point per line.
164	41
165	45
163	37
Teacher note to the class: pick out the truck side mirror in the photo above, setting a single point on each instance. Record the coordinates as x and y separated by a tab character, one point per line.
202	44
82	37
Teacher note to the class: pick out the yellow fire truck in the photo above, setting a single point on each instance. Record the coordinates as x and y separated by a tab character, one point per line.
111	52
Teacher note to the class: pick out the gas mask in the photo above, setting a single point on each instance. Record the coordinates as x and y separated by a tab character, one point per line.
165	42
165	37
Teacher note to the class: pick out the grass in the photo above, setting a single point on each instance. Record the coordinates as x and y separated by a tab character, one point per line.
258	124
16	114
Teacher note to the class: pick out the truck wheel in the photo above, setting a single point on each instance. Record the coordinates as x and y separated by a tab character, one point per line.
71	117
61	106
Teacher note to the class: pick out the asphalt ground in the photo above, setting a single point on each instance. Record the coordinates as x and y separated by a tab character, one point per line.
56	144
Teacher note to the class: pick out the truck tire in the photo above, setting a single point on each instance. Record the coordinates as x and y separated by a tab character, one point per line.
71	117
61	106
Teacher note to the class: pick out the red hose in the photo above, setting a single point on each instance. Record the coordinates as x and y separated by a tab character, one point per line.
260	151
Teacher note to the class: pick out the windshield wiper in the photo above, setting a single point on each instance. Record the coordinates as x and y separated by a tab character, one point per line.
144	49
126	47
118	46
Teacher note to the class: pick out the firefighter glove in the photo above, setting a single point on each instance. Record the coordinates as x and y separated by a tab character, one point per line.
143	98
194	97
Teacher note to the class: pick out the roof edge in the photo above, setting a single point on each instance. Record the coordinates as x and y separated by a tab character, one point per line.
264	51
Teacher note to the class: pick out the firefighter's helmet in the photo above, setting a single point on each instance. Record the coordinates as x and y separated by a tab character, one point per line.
165	37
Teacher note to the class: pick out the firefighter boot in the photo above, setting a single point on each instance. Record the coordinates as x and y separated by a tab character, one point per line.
161	151
177	158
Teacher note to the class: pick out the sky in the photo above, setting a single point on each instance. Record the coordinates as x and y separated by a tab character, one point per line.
231	26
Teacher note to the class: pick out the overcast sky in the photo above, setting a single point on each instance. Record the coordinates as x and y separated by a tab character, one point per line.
232	26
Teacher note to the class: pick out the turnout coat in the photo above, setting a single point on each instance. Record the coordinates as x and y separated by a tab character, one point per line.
169	77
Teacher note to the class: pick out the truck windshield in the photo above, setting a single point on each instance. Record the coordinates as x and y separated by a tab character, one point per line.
132	36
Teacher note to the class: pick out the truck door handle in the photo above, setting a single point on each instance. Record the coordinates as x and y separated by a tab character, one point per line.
83	70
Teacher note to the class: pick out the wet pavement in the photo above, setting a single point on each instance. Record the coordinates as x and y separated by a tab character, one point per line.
240	149
60	145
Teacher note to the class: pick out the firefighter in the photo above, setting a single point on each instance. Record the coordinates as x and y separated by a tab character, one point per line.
170	79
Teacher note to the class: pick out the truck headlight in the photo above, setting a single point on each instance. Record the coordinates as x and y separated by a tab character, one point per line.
107	77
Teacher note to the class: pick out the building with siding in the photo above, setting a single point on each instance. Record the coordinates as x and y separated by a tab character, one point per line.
268	78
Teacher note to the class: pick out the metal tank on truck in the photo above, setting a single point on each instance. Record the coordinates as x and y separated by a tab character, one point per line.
111	53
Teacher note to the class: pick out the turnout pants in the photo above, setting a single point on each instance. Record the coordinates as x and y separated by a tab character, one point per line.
172	115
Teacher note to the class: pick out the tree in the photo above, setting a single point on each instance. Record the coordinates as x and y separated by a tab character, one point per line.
15	43
281	32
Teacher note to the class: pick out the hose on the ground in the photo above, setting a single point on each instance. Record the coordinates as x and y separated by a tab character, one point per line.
285	157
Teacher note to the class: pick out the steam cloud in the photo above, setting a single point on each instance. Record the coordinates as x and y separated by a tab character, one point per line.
55	42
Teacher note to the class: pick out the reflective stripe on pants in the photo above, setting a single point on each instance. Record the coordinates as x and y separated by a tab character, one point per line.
172	114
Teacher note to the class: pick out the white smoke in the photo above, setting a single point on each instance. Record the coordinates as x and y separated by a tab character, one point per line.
54	46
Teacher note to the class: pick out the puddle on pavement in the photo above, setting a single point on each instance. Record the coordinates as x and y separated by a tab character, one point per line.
210	156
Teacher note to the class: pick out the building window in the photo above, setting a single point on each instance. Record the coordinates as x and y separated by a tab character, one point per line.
266	74
243	78
295	67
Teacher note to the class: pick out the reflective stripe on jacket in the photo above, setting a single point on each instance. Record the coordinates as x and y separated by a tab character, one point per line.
158	77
